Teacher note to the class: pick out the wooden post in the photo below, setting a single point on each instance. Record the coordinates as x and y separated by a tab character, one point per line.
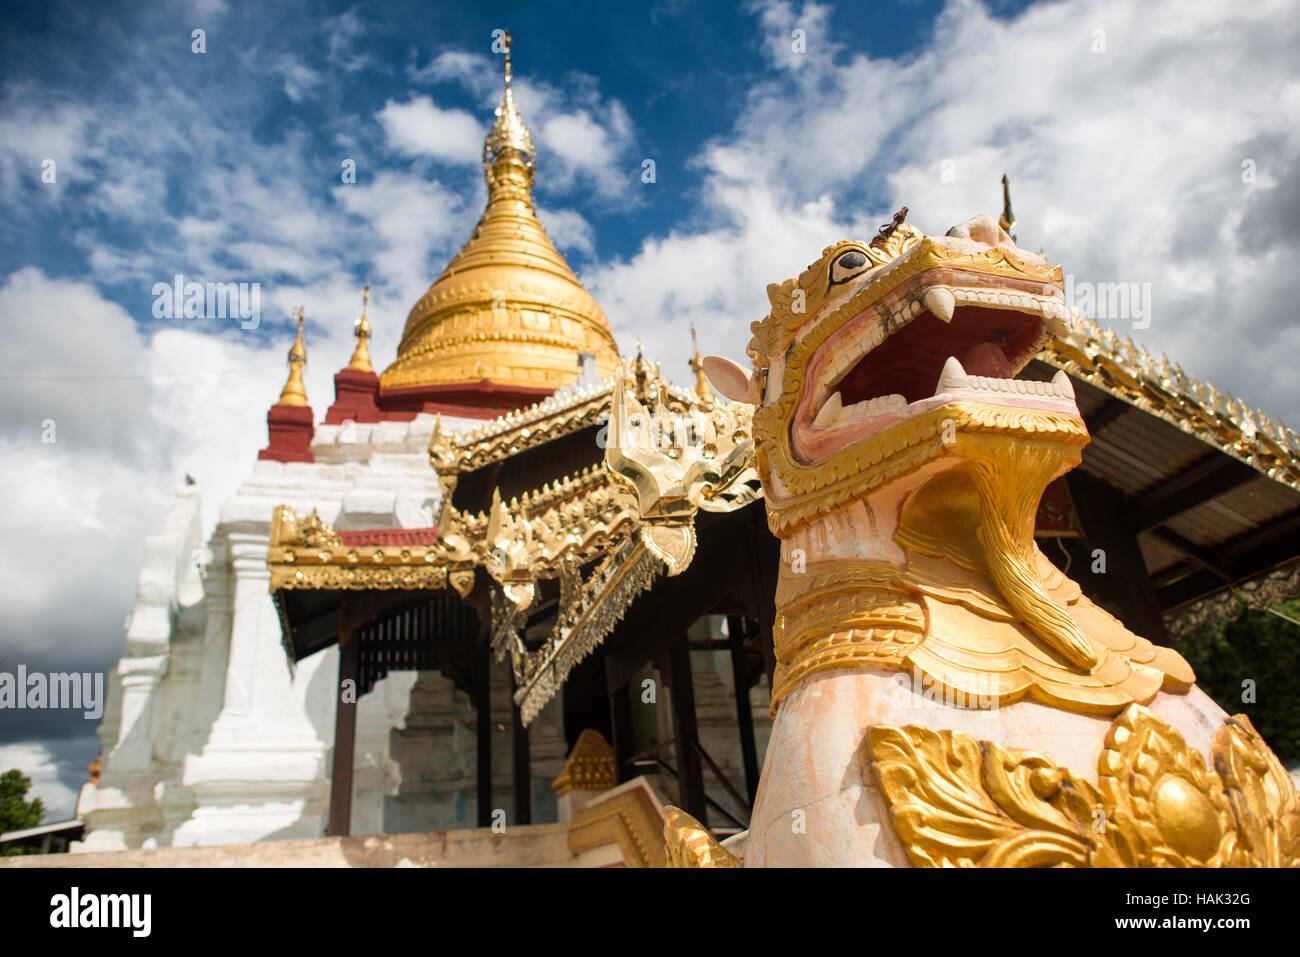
765	565
523	779
690	776
353	613
620	722
483	706
737	629
585	700
1125	582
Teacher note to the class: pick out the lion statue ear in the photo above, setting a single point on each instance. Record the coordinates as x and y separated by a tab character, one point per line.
732	379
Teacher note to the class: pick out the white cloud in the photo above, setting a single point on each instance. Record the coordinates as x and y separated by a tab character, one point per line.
299	78
132	414
341	33
476	72
1125	166
420	128
568	229
32	131
584	140
37	763
407	220
209	8
582	148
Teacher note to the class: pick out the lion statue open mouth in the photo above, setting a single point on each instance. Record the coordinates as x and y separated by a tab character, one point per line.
902	464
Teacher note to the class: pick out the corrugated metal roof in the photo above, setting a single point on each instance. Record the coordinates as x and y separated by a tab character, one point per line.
1235	513
1137	452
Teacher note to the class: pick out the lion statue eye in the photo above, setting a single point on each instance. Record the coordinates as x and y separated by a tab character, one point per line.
847	265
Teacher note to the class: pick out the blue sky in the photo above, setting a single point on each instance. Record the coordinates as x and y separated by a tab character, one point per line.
308	80
1126	129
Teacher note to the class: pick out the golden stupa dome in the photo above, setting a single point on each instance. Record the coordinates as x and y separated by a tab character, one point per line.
507	313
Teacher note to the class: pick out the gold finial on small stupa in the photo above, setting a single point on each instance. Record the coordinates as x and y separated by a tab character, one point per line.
1008	219
509	131
697	366
361	354
294	392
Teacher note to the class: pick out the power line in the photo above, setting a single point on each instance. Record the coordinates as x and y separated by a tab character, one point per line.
152	378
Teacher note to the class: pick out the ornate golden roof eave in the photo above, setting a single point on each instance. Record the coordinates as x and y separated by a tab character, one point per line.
633	514
646	530
629	817
295	392
1126	371
517	431
306	553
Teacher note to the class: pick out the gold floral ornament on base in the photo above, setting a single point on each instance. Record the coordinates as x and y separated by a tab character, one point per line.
956	802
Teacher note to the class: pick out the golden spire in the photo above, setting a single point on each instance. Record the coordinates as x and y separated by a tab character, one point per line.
1008	219
507	308
361	354
697	366
294	392
509	131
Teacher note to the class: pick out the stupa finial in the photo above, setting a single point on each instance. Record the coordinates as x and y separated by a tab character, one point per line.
361	354
697	366
509	131
1008	219
294	392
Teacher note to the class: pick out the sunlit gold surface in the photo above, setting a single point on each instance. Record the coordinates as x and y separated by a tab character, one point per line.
589	767
702	388
294	392
690	844
361	354
509	131
958	802
308	554
507	308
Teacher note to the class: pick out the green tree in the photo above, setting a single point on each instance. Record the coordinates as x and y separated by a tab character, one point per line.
16	812
1257	656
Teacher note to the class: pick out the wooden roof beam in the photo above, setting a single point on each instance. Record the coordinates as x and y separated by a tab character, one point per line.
1191	551
1243	559
1212	476
1105	414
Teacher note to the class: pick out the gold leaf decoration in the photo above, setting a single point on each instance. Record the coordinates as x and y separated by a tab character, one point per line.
956	802
691	845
